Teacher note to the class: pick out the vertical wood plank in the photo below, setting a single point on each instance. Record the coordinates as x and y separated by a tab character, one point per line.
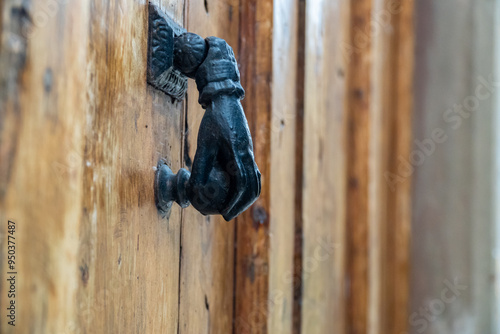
358	165
380	109
398	227
206	291
42	103
252	229
324	167
129	255
390	142
282	173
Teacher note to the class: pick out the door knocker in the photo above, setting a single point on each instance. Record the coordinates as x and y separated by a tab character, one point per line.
224	178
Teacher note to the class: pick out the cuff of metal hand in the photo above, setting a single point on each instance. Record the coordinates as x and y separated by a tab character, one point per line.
217	88
218	73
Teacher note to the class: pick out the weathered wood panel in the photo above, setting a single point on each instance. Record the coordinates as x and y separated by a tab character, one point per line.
93	252
380	108
399	201
129	255
324	167
391	109
283	168
358	125
252	227
43	106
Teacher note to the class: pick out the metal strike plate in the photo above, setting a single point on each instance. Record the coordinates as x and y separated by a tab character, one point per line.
161	72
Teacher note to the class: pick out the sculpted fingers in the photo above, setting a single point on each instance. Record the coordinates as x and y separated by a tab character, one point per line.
245	194
238	184
203	164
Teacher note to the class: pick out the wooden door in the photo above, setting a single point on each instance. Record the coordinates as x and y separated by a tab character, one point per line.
81	133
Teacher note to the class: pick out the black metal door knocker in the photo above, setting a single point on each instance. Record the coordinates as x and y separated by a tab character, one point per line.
224	178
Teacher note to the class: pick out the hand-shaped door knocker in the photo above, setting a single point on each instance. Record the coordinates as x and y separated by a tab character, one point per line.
224	179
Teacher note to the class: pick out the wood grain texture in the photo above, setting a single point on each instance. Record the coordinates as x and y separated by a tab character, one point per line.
43	106
282	174
373	127
358	166
398	227
324	168
381	110
129	255
391	110
252	227
206	291
93	251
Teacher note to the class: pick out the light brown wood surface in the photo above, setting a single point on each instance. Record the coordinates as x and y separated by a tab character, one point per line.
324	168
390	215
43	107
358	123
252	227
398	229
88	132
283	190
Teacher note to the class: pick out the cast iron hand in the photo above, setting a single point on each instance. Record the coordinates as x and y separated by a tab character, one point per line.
225	179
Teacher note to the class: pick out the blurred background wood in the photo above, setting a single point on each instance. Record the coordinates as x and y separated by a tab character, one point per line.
324	168
453	225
